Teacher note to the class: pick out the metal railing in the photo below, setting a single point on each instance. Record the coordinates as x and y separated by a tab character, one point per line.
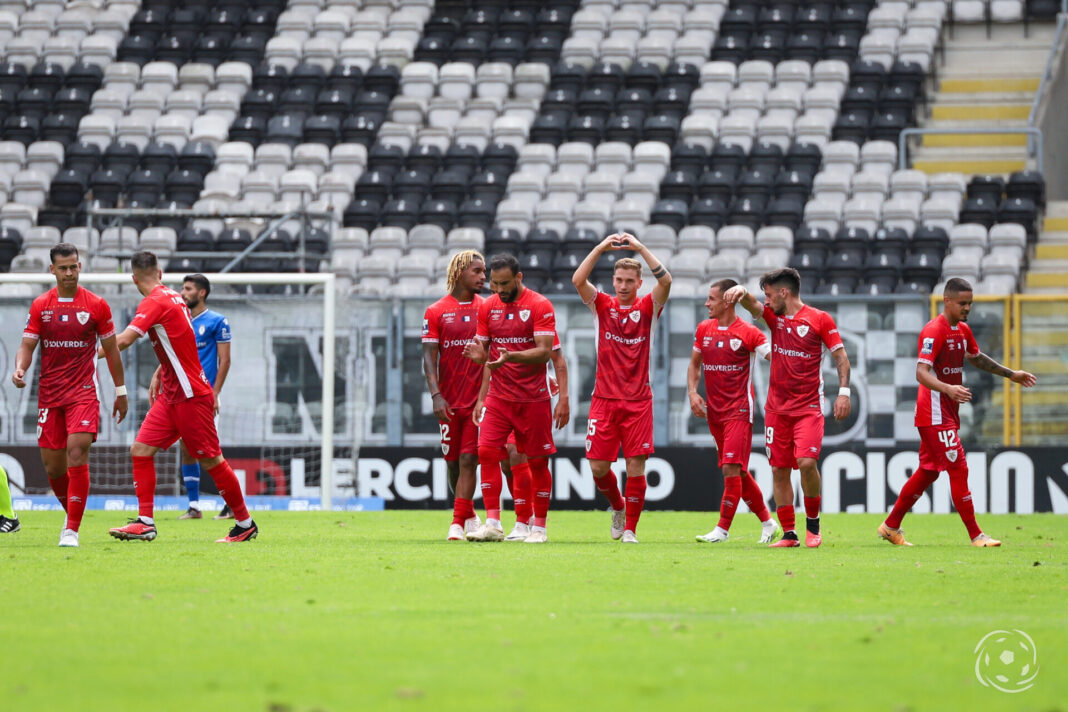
1034	134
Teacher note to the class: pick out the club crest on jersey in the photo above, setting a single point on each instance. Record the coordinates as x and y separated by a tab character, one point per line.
524	314
444	448
83	317
635	316
951	455
736	344
802	330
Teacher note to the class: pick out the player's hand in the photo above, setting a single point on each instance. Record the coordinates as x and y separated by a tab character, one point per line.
118	412
735	294
502	358
562	413
609	243
1024	378
442	411
842	407
478	412
697	405
18	378
626	241
475	351
153	392
959	394
216	404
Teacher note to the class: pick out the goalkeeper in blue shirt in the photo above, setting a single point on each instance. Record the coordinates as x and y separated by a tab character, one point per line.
213	346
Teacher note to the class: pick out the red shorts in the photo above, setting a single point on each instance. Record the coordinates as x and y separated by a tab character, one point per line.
191	420
613	423
55	424
940	447
459	436
532	423
792	436
734	441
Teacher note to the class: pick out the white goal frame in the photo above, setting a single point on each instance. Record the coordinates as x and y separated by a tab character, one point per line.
328	282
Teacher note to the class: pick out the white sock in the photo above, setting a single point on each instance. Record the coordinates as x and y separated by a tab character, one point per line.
536	528
148	520
244	523
493	523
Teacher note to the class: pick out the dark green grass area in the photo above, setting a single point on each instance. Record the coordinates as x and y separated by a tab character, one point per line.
369	611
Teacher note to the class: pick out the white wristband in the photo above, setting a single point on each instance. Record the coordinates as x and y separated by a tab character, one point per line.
120	391
844	391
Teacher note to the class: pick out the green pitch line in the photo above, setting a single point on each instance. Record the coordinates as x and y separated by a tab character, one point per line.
375	611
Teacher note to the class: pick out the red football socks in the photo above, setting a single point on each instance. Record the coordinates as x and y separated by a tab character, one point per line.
962	499
229	489
732	492
812	507
462	510
786	517
635	490
608	486
77	493
144	475
59	487
522	486
542	481
754	498
912	491
492	482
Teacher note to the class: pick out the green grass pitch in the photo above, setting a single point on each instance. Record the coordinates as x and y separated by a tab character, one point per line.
375	611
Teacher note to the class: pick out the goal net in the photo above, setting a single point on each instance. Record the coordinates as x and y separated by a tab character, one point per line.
276	425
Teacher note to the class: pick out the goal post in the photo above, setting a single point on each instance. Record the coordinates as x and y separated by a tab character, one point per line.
269	312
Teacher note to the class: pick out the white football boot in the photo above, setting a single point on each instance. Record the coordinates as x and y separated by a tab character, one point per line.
472	524
456	533
619	523
629	538
537	535
769	531
68	537
490	531
716	535
519	533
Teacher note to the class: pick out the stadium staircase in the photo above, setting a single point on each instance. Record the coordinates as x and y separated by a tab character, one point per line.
1048	272
984	83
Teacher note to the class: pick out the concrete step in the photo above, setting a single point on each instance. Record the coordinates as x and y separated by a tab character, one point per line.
1049	265
989	62
1054	221
989	85
975	112
1051	252
953	98
1057	209
971	139
1055	281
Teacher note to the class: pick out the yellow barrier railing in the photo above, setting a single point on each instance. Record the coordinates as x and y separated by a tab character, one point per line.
1013	312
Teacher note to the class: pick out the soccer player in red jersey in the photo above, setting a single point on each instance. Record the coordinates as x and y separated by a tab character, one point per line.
724	348
621	410
516	328
514	464
184	408
67	321
453	381
944	344
794	409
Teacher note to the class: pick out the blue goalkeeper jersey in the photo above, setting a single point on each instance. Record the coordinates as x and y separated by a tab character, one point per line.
212	329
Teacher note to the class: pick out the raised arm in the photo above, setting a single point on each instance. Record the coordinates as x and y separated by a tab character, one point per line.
123	341
581	278
693	379
562	411
985	363
738	294
663	277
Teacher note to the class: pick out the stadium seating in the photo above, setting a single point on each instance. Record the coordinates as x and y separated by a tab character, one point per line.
733	136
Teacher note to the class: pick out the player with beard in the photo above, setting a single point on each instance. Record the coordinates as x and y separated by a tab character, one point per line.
514	339
944	344
68	321
621	410
793	413
453	381
724	348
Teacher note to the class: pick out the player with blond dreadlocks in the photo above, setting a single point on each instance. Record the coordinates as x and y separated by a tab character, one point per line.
454	381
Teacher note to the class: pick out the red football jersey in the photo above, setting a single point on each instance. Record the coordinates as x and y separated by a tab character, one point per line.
513	327
68	330
943	348
796	353
727	354
451	325
164	316
624	346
